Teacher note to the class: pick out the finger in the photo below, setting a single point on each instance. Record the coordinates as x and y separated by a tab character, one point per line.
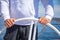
43	21
7	22
48	21
39	20
7	26
12	21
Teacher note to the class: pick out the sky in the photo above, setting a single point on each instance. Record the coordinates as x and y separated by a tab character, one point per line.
56	9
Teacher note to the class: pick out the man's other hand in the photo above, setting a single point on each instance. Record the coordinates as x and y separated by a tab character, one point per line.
43	20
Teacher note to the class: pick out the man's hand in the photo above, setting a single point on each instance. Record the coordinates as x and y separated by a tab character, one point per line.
43	20
9	22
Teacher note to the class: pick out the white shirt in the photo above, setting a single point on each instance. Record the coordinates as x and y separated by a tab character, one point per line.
23	8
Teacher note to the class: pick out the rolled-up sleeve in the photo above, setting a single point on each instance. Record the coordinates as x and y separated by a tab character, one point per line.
49	9
5	9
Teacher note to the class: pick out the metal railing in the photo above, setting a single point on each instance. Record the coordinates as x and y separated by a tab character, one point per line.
35	20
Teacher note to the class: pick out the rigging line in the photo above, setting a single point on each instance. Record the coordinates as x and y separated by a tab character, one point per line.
43	30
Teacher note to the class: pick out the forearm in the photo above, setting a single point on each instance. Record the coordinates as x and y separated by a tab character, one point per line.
48	5
49	12
5	10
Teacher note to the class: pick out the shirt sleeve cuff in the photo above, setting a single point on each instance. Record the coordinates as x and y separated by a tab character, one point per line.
6	18
49	17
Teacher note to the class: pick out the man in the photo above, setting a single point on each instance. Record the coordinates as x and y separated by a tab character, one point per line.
15	9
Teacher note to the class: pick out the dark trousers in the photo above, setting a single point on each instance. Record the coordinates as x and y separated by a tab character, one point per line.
18	32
